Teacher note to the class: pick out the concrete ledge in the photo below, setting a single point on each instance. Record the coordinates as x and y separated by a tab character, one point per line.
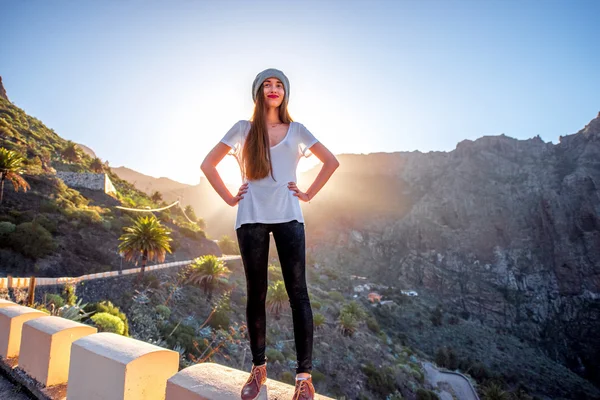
209	381
6	303
12	319
106	366
46	348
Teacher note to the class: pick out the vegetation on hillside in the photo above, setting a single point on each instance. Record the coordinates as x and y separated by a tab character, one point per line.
53	229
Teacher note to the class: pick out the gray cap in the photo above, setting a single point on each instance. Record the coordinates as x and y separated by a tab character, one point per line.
271	73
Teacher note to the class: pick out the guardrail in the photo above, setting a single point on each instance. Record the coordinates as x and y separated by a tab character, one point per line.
16	283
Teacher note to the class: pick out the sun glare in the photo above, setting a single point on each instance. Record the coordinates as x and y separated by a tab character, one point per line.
229	169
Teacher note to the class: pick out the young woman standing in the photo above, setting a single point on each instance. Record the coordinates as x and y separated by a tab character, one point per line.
268	148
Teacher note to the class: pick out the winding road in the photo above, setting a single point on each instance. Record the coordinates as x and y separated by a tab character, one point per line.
462	388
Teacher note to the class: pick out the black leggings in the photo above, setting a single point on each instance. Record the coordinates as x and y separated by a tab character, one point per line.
254	247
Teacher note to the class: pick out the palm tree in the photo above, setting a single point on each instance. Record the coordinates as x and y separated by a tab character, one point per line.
493	391
96	165
11	168
70	152
347	324
156	197
208	272
355	310
319	321
146	237
277	298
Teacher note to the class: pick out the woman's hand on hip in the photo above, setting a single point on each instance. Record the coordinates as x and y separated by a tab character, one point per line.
297	192
240	195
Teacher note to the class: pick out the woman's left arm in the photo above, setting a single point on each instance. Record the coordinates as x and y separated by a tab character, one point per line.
330	164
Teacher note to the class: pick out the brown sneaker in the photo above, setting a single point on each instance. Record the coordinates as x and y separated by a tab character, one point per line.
304	390
257	378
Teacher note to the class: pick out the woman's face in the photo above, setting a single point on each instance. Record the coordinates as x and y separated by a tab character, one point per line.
273	91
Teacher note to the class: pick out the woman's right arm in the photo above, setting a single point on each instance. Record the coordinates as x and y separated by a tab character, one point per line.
209	167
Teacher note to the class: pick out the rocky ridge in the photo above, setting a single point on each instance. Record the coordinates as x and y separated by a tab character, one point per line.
502	230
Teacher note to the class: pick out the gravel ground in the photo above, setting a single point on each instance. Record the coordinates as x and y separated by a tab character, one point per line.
8	391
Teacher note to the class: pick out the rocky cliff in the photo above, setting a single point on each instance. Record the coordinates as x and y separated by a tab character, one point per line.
502	230
2	90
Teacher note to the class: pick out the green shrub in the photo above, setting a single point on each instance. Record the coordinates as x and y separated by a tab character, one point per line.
109	308
316	305
68	294
55	299
6	228
87	216
106	322
447	358
48	223
32	240
182	335
380	380
163	311
288	377
318	320
355	310
228	246
441	357
275	355
479	371
151	281
220	319
437	316
49	206
336	296
373	325
317	376
418	375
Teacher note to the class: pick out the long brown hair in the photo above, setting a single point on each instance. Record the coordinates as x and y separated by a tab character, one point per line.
256	155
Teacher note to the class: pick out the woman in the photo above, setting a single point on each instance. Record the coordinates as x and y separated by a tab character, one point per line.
268	148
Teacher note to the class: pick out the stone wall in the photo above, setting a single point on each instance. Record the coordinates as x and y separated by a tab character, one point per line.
87	180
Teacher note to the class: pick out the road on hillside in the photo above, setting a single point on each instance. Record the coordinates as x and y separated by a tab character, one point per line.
462	388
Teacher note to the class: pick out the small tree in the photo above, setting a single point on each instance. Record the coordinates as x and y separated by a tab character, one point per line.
347	324
318	321
147	238
71	152
277	298
355	310
156	197
208	272
96	165
11	168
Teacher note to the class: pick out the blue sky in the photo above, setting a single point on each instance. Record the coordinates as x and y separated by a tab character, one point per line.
155	85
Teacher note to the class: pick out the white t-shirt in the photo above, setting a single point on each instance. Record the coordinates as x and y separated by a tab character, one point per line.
268	200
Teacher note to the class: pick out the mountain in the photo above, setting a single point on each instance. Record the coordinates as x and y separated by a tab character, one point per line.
502	231
87	150
218	216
